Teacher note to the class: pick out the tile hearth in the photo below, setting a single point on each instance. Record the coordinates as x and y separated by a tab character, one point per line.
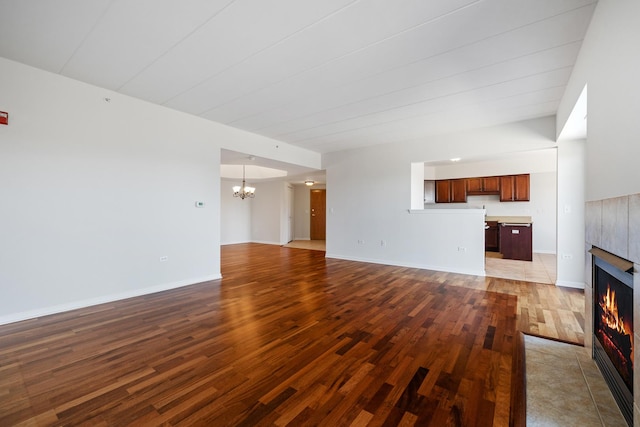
565	387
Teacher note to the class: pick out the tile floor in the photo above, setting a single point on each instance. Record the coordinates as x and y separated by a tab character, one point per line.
541	270
314	245
565	387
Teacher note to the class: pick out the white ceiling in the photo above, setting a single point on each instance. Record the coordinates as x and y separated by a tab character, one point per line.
324	75
295	174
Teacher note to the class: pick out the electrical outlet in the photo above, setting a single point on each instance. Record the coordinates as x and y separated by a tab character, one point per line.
383	243
567	256
360	242
462	249
164	258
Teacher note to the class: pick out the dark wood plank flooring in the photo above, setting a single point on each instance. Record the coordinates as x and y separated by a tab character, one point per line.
287	337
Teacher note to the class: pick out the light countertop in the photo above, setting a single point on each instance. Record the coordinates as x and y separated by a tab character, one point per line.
510	219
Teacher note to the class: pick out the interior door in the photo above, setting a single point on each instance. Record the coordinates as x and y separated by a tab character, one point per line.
318	214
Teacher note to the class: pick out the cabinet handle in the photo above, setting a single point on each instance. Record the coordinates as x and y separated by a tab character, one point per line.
515	225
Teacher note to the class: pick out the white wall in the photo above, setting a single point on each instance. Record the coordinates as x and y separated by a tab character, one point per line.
609	62
264	218
235	215
301	218
268	208
571	214
368	194
94	193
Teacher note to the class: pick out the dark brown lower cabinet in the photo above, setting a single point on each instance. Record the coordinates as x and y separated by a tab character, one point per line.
491	242
516	241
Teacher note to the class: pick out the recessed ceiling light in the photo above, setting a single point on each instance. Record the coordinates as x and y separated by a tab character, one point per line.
455	159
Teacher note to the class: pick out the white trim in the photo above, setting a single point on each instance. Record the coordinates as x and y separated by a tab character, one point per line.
550	251
568	284
235	243
46	311
302	238
410	265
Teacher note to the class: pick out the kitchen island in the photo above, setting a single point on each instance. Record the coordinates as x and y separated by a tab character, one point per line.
514	236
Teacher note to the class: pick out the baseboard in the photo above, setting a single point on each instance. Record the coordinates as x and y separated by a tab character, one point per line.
302	238
470	272
46	311
550	252
239	242
568	284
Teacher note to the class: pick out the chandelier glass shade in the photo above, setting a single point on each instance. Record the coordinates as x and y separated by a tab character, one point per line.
243	191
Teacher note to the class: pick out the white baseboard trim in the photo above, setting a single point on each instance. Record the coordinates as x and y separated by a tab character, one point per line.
568	284
235	243
45	311
410	265
551	252
302	238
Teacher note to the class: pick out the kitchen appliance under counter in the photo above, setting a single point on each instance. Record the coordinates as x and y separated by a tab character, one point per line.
516	240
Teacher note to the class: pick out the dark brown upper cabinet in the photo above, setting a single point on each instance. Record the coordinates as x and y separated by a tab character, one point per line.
514	188
458	190
511	188
483	185
451	191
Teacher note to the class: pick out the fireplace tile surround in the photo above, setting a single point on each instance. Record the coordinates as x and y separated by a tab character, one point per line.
614	225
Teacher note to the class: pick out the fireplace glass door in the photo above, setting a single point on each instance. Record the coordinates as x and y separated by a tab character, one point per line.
613	331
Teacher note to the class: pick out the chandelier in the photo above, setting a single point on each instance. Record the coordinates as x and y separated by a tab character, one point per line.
244	191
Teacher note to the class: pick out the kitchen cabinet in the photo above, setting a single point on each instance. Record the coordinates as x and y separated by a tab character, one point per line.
451	191
511	188
491	184
491	239
514	188
474	185
483	185
443	191
458	190
516	241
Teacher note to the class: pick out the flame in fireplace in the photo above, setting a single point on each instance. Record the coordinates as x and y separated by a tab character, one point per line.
610	316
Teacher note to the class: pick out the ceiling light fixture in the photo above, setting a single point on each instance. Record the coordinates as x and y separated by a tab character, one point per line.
455	159
244	191
309	183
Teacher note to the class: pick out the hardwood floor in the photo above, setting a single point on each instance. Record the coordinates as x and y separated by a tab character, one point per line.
287	337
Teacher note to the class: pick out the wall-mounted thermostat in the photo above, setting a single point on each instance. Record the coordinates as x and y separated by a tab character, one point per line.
199	204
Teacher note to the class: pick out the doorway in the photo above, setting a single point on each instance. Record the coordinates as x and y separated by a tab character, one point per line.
318	207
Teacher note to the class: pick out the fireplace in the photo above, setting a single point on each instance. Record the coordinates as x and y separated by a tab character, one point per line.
613	330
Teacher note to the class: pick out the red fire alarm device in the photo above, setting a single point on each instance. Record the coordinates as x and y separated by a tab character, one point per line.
4	118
